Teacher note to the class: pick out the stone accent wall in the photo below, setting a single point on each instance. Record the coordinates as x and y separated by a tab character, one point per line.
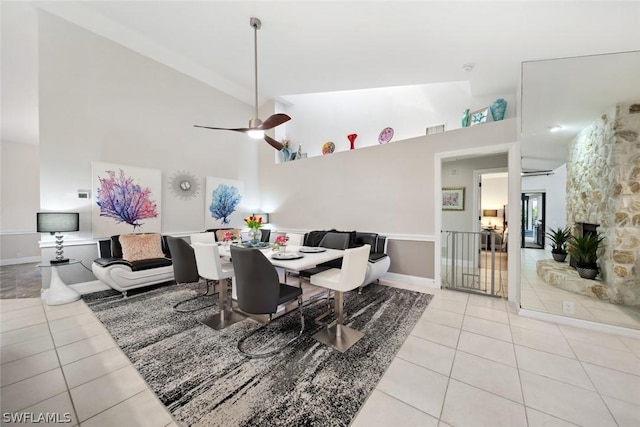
603	187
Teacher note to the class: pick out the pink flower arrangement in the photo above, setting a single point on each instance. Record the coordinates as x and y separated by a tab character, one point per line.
228	236
281	239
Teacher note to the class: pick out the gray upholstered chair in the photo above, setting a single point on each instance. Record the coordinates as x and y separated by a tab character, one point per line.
266	234
185	270
330	241
349	277
259	291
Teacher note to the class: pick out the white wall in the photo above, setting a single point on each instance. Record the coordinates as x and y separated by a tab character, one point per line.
19	202
495	195
101	101
555	187
409	110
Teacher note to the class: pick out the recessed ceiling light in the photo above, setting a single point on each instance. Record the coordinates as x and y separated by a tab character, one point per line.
554	128
468	66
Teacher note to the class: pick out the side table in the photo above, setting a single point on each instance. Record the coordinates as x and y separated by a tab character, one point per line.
58	292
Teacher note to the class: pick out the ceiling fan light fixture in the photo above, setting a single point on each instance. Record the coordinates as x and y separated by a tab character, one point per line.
255	133
555	128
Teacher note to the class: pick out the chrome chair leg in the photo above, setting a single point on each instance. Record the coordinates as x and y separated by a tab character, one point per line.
206	294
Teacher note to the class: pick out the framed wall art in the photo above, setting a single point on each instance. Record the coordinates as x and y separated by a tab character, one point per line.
127	199
453	199
223	201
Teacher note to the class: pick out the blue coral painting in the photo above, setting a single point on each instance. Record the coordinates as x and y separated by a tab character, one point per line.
224	198
127	199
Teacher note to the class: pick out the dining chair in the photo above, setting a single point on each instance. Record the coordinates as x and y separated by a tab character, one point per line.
266	234
349	277
330	241
211	267
206	237
295	239
185	270
259	291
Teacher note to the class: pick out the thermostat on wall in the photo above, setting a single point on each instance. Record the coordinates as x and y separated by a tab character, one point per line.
84	194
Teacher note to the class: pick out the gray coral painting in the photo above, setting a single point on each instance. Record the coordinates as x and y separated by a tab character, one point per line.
127	199
224	198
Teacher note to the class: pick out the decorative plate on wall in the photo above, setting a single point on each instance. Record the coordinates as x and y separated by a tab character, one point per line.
385	135
184	185
328	147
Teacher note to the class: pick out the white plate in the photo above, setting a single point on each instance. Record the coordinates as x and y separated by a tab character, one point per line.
311	250
286	255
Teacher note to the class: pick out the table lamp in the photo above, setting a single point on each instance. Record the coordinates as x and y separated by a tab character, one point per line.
56	223
490	213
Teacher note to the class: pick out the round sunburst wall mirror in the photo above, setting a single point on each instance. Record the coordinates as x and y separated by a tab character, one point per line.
184	185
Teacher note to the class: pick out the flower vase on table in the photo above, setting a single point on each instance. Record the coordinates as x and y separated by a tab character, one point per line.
280	245
254	223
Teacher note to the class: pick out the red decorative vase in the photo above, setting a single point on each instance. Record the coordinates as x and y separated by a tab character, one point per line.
352	139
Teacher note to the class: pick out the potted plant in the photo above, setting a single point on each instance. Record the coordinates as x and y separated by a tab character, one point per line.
584	250
559	239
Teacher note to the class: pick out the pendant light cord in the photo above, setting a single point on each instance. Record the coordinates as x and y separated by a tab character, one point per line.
255	62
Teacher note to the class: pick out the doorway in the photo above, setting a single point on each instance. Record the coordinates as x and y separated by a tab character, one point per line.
533	220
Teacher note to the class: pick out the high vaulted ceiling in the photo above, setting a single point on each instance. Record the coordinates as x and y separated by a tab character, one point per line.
307	46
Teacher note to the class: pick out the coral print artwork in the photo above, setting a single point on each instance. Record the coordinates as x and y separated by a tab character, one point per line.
127	199
223	203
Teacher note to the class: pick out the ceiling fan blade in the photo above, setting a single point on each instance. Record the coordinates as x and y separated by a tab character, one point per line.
272	142
234	130
273	121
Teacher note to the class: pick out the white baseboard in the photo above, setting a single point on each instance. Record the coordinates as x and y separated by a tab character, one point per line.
23	260
405	279
579	323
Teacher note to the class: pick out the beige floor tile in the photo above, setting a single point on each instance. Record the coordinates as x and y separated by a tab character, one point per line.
28	392
55	312
488	328
451	295
7	305
632	344
89	368
625	414
487	302
453	306
436	332
59	405
25	348
87	347
593	337
73	322
554	306
619	317
36	310
495	315
382	410
540	419
427	354
565	401
443	317
489	348
28	367
414	385
141	410
487	375
613	383
22	322
24	334
468	406
102	393
602	356
68	336
542	341
553	366
534	324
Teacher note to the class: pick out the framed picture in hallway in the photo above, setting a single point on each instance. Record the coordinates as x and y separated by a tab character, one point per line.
453	199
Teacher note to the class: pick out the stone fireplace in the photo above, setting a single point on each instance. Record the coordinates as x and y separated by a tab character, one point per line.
603	187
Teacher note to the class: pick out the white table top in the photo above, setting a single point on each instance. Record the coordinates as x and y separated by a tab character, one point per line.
308	260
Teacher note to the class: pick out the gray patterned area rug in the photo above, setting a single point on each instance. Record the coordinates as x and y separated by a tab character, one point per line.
202	378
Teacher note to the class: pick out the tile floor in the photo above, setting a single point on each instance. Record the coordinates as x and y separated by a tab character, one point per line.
470	361
540	296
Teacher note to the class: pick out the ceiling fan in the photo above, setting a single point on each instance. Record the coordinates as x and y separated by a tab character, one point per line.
256	126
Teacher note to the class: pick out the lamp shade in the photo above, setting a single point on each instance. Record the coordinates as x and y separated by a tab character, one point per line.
58	222
490	212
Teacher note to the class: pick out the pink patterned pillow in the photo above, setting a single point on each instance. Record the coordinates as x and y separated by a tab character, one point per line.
141	246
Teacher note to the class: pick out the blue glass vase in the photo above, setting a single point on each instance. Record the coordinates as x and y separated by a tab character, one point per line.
498	108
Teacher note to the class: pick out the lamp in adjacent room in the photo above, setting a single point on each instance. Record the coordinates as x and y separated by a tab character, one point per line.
490	213
57	223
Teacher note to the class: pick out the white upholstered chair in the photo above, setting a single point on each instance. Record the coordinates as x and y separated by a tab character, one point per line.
347	278
211	267
207	237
